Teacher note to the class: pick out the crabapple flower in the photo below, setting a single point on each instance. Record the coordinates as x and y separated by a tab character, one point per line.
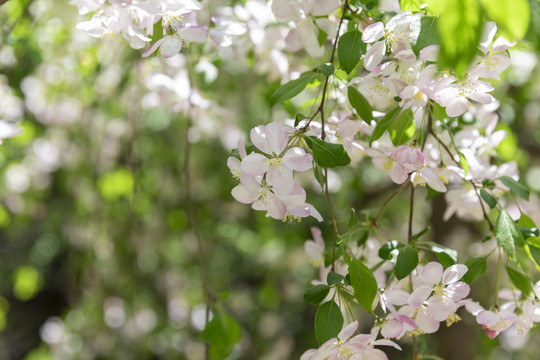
400	162
344	347
272	140
493	60
395	34
427	176
495	322
315	248
224	30
170	45
306	15
455	97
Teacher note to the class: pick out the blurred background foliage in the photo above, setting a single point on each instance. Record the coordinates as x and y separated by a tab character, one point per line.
97	257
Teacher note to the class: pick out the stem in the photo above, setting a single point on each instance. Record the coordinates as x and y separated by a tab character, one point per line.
411	211
195	229
491	227
414	352
334	224
498	278
323	135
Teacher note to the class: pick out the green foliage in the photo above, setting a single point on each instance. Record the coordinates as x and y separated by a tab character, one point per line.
334	278
360	104
402	128
350	49
424	33
327	69
476	268
328	321
316	294
515	187
446	256
363	283
413	5
384	123
222	333
507	234
405	260
463	162
488	198
512	16
327	155
385	252
293	88
520	281
459	27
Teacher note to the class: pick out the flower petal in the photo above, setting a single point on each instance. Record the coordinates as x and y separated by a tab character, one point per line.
347	331
296	158
373	32
255	164
432	273
277	137
454	273
374	55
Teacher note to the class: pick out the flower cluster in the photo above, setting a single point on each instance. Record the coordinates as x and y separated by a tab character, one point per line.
266	178
135	21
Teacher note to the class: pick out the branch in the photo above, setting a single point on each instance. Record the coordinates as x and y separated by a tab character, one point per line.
2	2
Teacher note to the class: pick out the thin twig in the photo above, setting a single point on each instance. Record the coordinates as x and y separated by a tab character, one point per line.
411	211
497	279
323	134
491	227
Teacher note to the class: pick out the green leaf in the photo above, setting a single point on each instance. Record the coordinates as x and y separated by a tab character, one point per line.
488	198
327	69
512	16
413	5
507	234
316	294
386	250
158	31
321	37
353	219
222	333
423	33
405	260
334	278
292	88
363	283
383	124
319	175
515	187
327	155
402	128
446	256
328	321
460	28
520	281
360	104
476	268
463	162
421	233
350	49
534	253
